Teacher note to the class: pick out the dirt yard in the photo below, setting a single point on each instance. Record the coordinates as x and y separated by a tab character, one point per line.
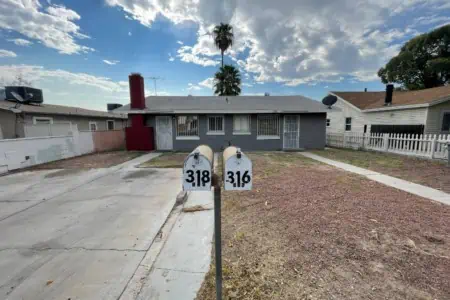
311	231
431	173
90	161
166	160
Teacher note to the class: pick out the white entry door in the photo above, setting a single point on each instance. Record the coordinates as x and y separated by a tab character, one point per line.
164	139
291	132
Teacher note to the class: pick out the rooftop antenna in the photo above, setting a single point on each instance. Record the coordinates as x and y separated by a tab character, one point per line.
154	82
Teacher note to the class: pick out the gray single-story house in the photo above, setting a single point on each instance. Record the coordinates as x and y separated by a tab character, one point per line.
15	116
250	122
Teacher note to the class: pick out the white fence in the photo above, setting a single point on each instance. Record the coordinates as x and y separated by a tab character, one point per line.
429	146
55	129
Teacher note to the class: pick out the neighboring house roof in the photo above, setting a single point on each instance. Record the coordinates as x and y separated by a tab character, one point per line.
375	100
230	104
51	109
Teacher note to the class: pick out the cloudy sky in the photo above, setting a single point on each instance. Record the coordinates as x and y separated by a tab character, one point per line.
80	52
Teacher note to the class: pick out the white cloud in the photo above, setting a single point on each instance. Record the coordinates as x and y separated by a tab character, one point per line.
21	42
207	83
54	26
6	53
247	84
82	89
193	87
306	42
111	62
180	43
187	54
171	58
129	33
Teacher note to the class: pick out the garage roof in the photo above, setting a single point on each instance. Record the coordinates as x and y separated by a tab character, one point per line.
228	104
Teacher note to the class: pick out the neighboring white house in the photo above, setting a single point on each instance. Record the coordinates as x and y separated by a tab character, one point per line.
419	112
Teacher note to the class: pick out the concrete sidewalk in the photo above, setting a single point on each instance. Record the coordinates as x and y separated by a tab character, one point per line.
413	188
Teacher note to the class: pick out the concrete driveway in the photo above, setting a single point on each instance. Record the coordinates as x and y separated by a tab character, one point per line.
72	234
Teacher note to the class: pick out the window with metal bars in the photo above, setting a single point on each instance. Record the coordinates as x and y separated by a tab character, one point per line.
216	125
268	126
187	126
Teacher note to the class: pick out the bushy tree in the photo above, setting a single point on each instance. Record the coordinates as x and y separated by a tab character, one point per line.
423	62
227	81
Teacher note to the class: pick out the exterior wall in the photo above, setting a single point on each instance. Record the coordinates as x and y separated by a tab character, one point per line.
344	110
7	123
417	116
20	153
312	135
435	117
25	152
81	121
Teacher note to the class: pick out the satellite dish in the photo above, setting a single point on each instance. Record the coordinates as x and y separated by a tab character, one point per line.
329	100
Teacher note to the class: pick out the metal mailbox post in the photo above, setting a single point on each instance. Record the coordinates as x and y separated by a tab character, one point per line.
198	176
237	172
198	169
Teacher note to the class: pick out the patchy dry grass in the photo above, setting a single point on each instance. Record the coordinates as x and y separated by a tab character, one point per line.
310	231
90	161
431	173
166	160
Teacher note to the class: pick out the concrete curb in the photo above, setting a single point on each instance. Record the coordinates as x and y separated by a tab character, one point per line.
181	198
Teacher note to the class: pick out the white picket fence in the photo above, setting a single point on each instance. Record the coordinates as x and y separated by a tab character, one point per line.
428	145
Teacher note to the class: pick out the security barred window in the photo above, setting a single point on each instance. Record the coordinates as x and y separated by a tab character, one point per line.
216	125
187	126
348	124
268	126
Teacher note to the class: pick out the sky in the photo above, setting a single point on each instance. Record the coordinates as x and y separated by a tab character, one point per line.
80	52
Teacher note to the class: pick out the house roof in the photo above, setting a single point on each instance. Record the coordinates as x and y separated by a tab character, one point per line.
51	109
373	100
229	104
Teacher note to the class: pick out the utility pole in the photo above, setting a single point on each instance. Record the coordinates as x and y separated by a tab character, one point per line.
154	82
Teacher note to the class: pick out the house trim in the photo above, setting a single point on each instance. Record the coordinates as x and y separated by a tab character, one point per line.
35	119
187	138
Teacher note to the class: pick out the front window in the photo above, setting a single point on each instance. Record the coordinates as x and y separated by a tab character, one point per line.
187	126
268	127
110	124
216	125
241	124
348	124
446	122
92	126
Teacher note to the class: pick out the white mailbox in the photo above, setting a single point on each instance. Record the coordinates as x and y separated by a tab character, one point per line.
237	173
197	169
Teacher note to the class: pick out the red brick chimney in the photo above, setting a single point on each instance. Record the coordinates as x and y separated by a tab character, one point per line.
137	94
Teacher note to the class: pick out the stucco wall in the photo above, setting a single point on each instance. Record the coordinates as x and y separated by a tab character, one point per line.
20	153
312	135
82	122
434	118
108	140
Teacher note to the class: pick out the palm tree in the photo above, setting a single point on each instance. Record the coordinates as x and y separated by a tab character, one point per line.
227	81
223	37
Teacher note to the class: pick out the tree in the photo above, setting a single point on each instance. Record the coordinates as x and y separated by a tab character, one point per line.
227	81
223	37
423	62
